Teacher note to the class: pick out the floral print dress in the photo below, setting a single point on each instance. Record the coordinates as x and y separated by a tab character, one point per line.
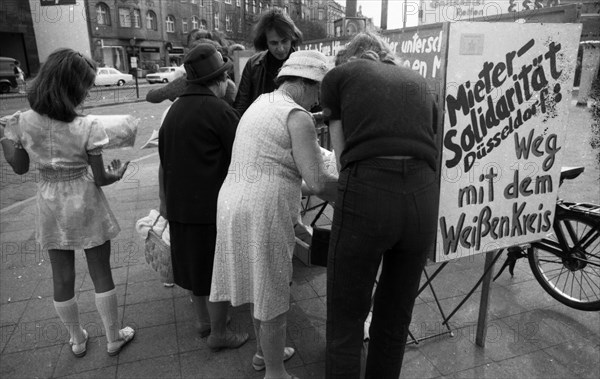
72	211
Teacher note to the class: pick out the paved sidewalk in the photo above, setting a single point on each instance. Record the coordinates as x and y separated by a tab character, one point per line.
529	334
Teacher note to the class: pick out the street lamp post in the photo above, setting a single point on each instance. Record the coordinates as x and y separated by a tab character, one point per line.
133	63
384	14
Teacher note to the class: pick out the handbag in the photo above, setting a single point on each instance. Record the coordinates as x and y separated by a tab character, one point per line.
158	255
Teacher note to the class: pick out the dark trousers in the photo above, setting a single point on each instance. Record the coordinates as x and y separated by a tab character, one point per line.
385	209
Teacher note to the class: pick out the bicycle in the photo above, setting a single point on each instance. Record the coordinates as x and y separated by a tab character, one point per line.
567	262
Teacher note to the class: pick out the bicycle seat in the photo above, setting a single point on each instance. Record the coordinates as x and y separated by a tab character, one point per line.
570	172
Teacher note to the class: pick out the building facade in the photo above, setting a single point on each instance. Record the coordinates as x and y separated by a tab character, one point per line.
146	34
17	35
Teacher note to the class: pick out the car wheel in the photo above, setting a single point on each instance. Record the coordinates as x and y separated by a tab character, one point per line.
4	88
165	80
120	82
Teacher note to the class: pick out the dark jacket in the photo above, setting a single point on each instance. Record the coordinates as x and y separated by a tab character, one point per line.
255	81
195	144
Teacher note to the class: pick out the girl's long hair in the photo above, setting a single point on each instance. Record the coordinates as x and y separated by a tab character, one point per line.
62	84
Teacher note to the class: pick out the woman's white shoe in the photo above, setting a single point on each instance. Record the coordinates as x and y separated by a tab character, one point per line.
258	362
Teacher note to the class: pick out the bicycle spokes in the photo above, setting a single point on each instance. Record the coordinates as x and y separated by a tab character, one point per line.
567	262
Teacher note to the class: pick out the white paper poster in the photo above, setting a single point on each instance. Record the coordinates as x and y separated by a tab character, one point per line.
508	89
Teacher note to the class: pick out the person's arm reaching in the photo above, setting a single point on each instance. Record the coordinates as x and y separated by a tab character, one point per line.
171	91
113	172
308	158
336	133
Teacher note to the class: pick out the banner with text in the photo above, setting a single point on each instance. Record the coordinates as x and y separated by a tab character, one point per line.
506	107
432	11
422	49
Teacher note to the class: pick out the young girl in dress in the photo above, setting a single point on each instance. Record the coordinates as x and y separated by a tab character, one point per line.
72	212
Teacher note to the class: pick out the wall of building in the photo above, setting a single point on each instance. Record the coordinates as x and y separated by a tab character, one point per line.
60	26
17	35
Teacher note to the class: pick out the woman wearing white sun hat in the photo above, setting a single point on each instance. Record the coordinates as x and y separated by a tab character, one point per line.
274	150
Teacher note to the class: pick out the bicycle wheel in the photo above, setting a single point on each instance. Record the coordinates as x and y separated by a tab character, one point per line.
571	277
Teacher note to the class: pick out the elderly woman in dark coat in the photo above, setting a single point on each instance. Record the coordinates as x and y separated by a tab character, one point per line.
195	145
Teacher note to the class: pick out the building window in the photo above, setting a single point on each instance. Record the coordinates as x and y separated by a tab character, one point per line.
194	22
102	14
203	24
170	24
237	2
151	20
228	23
216	20
321	14
259	7
137	18
239	24
246	5
124	18
227	1
254	6
184	27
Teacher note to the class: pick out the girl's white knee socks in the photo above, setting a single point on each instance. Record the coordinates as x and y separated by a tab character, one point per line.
68	311
106	302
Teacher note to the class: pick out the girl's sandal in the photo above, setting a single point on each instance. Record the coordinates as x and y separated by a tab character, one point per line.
125	336
79	349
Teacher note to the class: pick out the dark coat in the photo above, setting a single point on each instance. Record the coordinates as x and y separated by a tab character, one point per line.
195	144
255	81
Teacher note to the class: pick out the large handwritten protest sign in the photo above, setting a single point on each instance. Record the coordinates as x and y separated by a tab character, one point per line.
508	88
505	105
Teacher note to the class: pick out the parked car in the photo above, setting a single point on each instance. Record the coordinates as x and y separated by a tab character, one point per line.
8	79
165	75
106	76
